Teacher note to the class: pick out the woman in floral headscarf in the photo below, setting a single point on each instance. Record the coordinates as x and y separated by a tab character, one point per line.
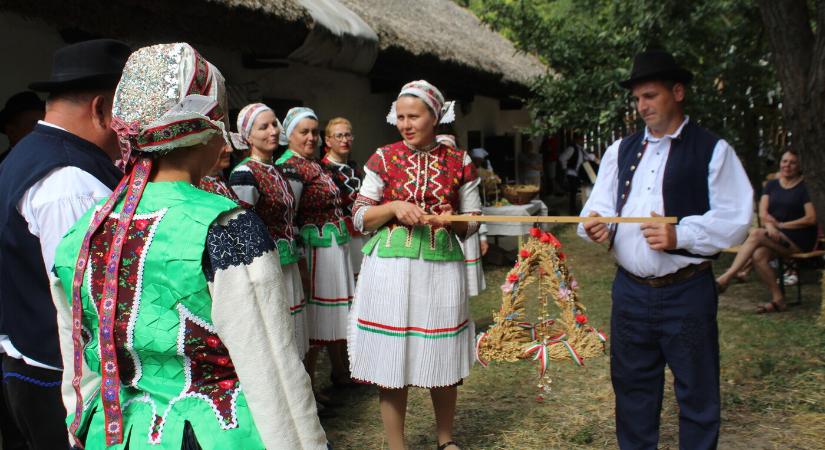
321	222
260	186
410	323
174	326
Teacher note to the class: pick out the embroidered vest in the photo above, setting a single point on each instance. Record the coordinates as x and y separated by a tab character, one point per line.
348	179
430	180
320	216
172	364
276	205
685	183
27	313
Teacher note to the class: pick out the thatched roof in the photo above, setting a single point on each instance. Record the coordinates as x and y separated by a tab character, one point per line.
269	27
450	33
433	39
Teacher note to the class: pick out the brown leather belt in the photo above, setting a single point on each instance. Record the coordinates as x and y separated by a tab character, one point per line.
683	274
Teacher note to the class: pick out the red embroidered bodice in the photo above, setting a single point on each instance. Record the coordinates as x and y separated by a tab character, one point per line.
320	201
275	203
430	179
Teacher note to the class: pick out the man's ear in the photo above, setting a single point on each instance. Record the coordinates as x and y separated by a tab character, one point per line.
678	92
101	111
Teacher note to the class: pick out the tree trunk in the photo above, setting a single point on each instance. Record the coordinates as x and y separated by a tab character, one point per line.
799	58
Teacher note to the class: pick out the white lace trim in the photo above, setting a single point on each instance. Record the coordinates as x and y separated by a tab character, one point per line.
130	328
358	218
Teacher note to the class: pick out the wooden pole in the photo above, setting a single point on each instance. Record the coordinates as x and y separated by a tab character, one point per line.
552	219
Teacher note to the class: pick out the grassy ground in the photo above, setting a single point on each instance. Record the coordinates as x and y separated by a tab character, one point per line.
773	380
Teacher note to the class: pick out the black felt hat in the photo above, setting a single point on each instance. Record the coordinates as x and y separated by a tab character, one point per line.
656	65
20	102
94	64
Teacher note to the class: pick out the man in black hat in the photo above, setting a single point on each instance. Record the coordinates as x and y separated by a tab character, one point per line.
19	116
55	174
664	296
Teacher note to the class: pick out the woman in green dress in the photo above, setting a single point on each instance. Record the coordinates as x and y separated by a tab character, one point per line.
174	325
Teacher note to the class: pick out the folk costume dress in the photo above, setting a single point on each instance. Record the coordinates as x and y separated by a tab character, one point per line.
323	229
348	179
174	326
410	323
472	262
217	185
261	188
470	246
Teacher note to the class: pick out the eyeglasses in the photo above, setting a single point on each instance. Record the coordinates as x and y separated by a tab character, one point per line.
343	137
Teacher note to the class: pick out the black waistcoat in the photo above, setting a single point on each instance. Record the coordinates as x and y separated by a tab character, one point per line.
27	314
685	189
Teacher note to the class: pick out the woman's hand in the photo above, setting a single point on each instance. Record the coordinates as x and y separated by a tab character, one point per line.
772	230
407	213
446	211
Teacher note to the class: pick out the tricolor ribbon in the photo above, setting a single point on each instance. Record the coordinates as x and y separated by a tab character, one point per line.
529	326
532	327
602	336
573	355
540	351
480	360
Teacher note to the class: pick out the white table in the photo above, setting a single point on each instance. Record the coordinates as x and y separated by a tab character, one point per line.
534	208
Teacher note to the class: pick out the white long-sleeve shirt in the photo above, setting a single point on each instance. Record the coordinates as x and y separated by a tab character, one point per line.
724	225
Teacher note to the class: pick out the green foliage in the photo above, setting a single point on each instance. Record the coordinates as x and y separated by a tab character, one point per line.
589	45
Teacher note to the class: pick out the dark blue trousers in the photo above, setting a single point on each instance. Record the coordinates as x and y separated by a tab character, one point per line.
675	326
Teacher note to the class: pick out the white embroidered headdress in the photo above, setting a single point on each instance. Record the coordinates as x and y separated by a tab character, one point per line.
431	96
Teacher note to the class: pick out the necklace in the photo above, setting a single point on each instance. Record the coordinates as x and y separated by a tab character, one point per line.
261	160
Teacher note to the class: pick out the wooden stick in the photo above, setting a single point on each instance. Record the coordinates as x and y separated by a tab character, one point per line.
552	219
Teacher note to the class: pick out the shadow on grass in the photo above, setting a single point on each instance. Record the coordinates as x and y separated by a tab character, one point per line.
772	374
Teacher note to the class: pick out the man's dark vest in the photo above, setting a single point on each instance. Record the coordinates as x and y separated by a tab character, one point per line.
27	314
685	184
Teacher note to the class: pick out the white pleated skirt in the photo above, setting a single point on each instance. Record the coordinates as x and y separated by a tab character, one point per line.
297	308
332	291
472	263
410	323
355	254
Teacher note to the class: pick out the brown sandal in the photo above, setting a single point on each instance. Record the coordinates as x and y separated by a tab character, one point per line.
772	307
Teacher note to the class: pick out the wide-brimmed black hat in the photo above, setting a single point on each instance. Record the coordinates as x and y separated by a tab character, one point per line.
94	64
20	102
656	65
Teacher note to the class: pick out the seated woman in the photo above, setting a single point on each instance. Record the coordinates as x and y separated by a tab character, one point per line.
788	214
174	324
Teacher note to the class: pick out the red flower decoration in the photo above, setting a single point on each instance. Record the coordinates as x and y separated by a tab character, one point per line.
545	238
226	384
512	277
561	256
515	266
213	341
223	361
581	319
524	253
535	232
